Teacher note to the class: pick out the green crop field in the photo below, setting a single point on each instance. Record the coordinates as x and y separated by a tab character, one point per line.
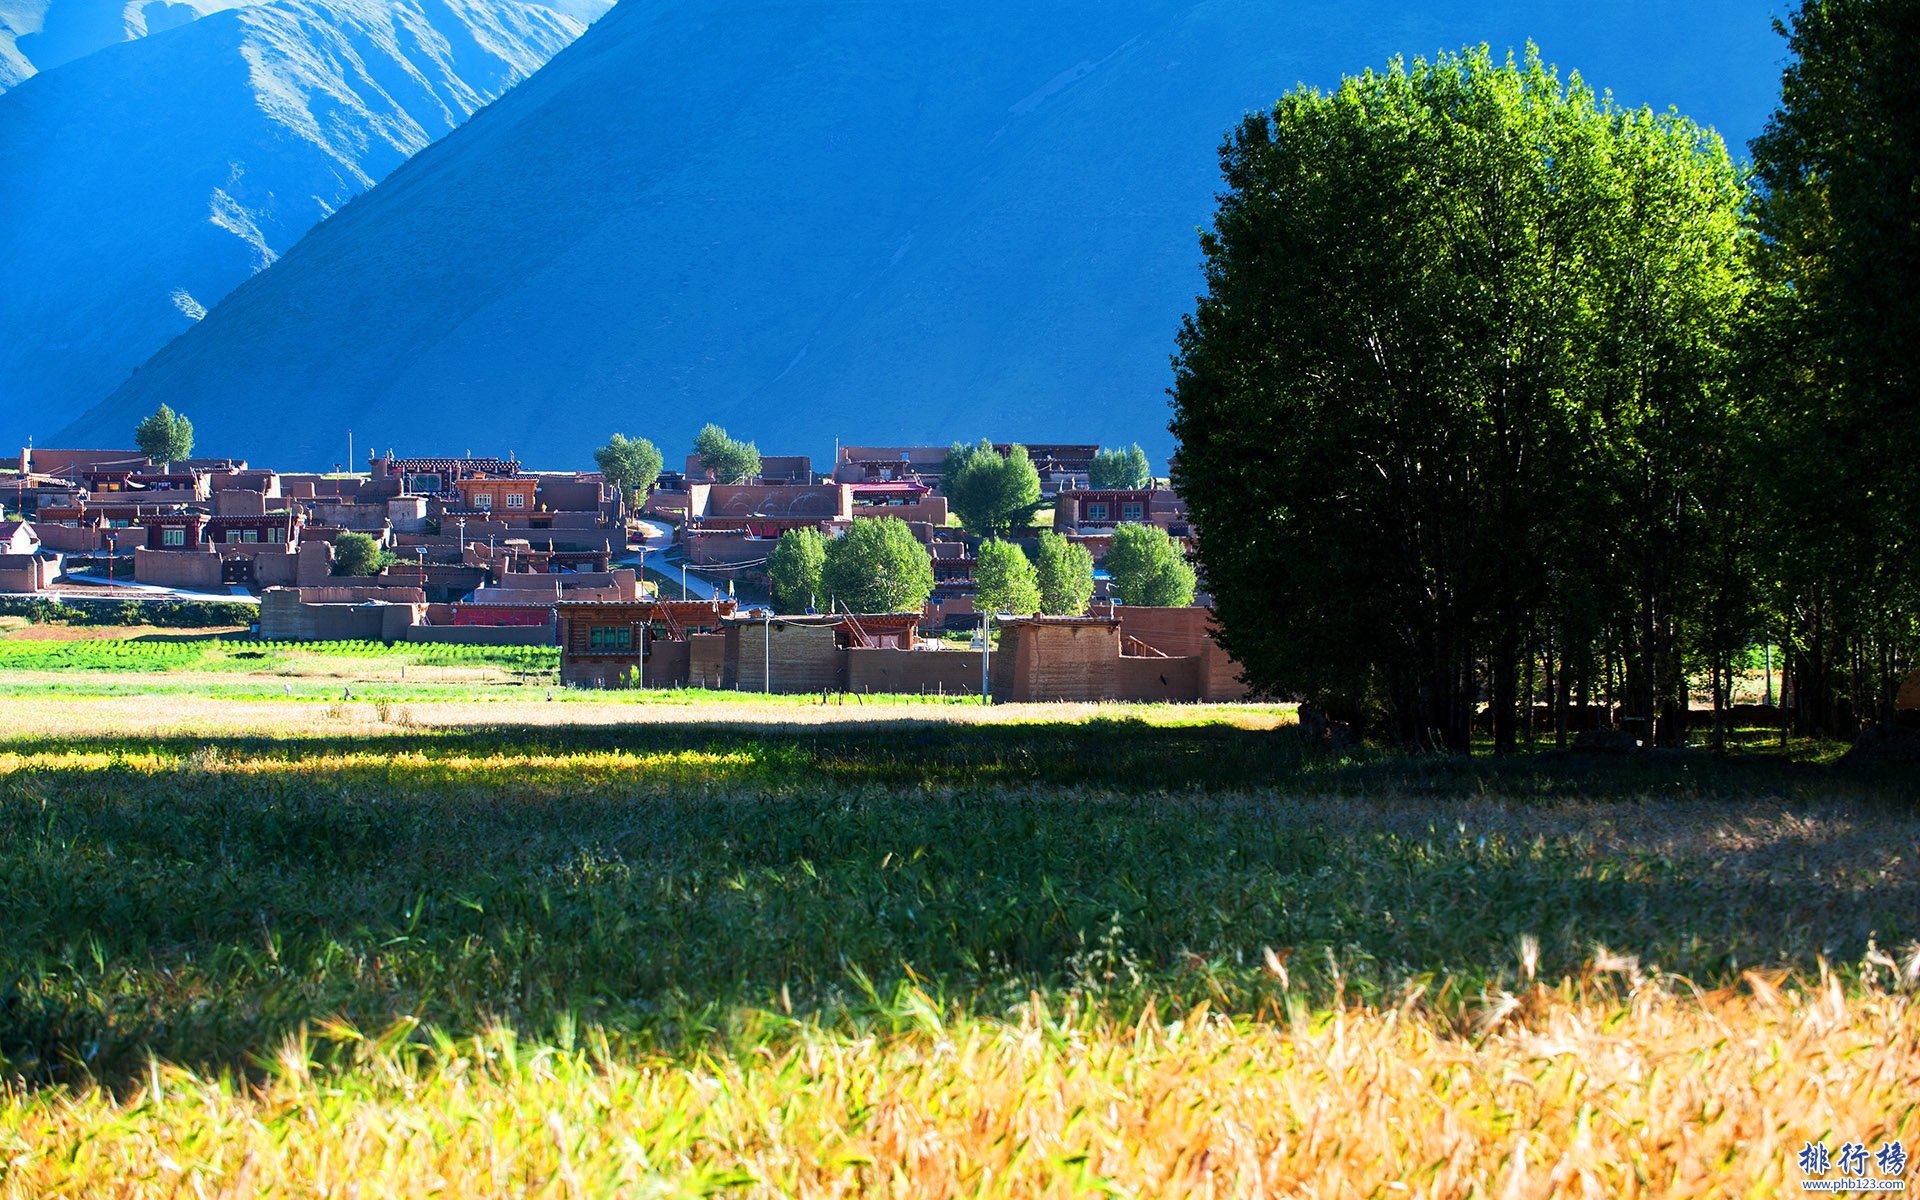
925	950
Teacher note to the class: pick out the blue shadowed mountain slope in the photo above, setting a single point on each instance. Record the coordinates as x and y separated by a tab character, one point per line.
146	180
883	222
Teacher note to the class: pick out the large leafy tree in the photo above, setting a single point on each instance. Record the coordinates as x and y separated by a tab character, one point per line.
1838	316
1127	469
731	461
630	464
1444	407
794	567
357	554
164	437
1148	567
991	493
1065	576
878	566
1005	582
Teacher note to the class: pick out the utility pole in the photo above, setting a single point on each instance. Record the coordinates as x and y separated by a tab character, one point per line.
986	651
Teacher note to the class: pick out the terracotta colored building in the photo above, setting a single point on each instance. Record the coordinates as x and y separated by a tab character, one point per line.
436	476
1098	511
1169	656
192	531
609	643
497	494
741	522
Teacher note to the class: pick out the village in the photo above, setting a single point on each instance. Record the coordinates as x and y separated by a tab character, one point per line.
656	583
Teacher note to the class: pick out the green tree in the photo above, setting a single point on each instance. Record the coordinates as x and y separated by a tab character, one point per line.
992	494
1450	409
357	554
1148	567
794	567
1065	576
165	437
1121	469
1839	242
878	566
1005	582
630	464
730	461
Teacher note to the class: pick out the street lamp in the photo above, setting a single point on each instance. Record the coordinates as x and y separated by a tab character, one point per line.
110	550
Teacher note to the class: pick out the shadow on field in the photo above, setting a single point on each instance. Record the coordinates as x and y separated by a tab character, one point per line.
203	899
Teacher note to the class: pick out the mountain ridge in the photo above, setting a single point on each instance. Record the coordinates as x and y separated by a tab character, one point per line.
153	176
812	220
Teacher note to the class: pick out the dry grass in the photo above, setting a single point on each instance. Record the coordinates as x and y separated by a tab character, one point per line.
608	949
1652	1094
162	715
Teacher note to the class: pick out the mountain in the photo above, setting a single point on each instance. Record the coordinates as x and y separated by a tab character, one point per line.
810	219
145	180
36	35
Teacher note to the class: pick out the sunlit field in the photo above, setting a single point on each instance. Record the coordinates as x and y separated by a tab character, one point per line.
252	947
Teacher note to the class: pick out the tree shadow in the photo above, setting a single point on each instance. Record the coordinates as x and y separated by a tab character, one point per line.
201	899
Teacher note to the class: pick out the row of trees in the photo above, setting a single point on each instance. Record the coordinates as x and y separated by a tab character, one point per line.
875	566
1499	391
1121	469
878	566
632	464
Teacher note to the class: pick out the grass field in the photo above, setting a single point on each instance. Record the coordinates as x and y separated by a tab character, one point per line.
520	947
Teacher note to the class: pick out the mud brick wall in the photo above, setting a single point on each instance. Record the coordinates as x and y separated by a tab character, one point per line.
805	658
1062	662
914	672
706	659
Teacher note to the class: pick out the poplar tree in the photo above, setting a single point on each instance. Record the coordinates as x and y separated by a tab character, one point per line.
1455	402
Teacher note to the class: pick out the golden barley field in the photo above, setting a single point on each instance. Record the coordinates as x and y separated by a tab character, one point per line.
448	948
